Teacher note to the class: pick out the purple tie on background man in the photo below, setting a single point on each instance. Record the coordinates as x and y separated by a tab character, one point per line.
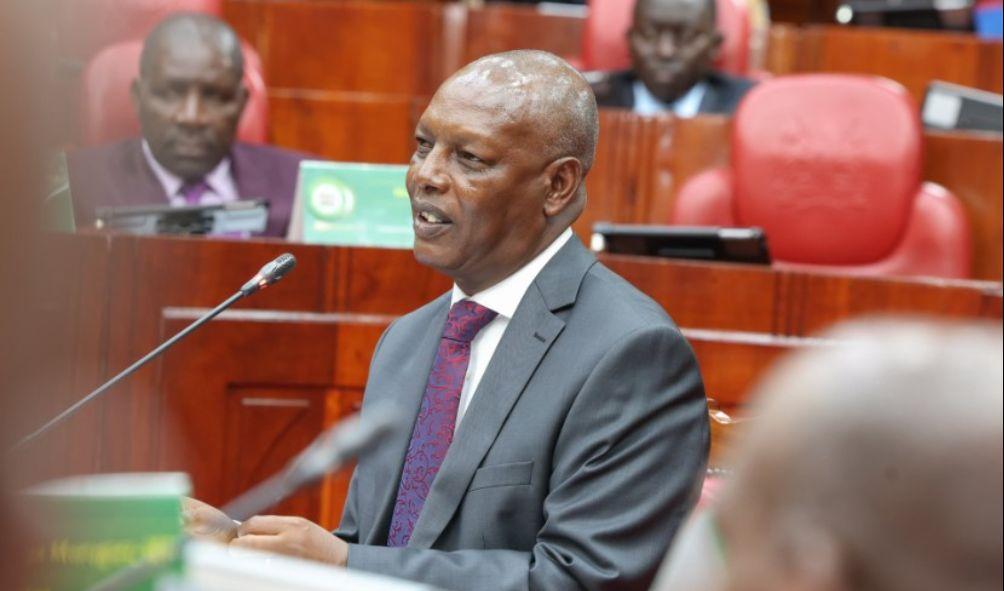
433	431
193	192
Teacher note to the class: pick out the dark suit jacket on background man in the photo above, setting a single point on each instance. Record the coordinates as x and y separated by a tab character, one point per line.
577	459
721	97
118	174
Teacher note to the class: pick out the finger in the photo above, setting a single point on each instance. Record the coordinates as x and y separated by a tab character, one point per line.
266	524
266	543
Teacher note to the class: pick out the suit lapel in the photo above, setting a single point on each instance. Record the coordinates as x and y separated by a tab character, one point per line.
530	333
404	389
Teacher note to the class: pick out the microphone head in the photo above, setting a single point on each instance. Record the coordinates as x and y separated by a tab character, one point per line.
270	273
283	264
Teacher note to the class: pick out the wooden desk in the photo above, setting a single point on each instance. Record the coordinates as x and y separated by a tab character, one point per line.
235	400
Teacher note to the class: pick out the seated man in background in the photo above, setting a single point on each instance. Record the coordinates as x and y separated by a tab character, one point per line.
558	427
874	464
189	97
673	44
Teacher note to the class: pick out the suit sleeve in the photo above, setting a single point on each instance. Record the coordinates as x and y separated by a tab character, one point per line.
627	467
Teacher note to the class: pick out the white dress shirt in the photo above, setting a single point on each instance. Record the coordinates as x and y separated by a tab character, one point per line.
503	297
646	103
222	188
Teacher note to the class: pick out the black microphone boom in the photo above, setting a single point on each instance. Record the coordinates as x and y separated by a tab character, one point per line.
269	274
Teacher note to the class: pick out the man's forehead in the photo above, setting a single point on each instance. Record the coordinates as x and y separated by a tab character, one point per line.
476	105
201	59
672	11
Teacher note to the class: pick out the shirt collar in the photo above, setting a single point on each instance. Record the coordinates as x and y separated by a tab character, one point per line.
172	183
504	296
688	105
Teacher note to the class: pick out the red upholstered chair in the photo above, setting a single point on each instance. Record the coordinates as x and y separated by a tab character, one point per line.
830	167
87	26
107	113
605	46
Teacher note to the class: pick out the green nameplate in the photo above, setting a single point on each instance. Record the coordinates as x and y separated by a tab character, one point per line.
94	526
354	204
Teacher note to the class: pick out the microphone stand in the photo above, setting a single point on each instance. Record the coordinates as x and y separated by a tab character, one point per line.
269	274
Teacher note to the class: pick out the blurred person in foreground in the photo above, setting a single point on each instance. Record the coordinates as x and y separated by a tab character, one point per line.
189	97
873	464
560	426
673	44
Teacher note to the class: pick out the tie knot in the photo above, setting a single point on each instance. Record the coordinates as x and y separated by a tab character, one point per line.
193	192
465	320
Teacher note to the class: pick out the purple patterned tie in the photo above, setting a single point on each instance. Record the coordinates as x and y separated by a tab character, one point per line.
193	192
437	417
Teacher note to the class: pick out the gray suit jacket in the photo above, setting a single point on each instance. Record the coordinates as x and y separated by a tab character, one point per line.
582	449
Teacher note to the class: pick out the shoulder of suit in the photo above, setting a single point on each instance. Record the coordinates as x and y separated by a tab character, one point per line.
623	303
607	84
260	152
718	78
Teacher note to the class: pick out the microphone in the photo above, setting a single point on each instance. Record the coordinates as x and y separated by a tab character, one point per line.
269	274
331	450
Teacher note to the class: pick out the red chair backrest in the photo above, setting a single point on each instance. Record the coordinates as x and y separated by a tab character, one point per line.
605	46
829	165
87	26
107	113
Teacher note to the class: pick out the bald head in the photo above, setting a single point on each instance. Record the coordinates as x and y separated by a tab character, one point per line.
696	10
543	92
187	29
875	464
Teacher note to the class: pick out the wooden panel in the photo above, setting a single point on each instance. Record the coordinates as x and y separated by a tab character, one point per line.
263	427
912	58
497	28
641	161
972	167
242	397
380	47
734	297
153	274
349	127
803	11
71	315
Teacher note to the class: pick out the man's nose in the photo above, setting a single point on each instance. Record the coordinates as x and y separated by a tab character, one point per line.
430	174
192	109
665	45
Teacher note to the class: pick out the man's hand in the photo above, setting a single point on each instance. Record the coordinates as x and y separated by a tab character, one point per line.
205	522
294	536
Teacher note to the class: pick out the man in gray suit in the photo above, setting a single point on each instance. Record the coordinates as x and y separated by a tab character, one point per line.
560	427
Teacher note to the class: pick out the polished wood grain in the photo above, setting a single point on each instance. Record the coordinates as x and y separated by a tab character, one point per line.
244	396
787	303
970	165
911	57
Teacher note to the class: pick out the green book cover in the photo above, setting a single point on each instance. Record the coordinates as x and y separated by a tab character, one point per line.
351	204
93	526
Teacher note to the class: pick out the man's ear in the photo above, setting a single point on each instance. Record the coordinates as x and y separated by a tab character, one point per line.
564	176
243	94
134	95
715	44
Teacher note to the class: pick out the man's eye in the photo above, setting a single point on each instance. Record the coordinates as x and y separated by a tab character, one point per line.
469	157
423	145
